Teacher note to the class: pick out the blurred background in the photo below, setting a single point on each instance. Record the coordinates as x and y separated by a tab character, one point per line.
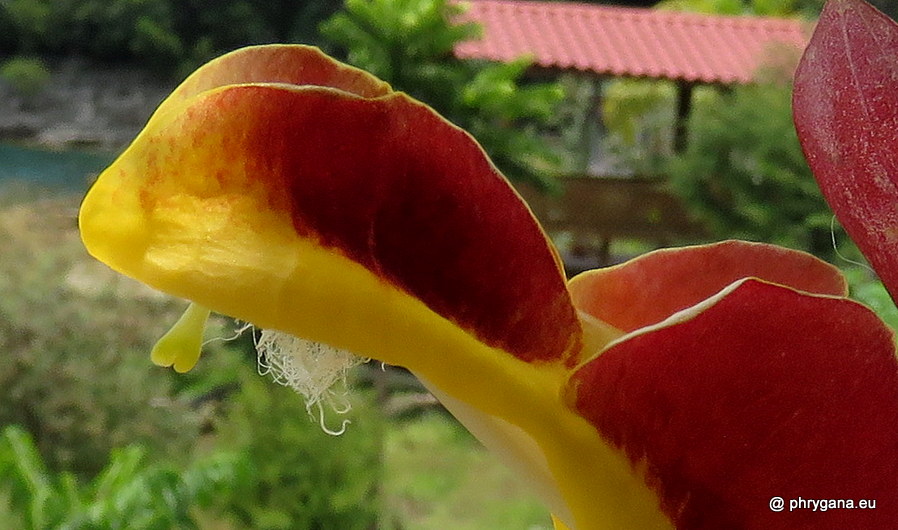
621	137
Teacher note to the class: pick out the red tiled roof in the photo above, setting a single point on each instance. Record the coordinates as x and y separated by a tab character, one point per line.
628	41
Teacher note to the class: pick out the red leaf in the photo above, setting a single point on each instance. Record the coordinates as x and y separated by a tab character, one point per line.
846	114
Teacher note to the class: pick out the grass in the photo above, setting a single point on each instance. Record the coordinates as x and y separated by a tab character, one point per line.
438	476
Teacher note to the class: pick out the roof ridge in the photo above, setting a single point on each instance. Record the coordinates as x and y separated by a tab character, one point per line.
636	11
628	41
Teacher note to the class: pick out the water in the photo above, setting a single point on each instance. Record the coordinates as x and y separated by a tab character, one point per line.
64	171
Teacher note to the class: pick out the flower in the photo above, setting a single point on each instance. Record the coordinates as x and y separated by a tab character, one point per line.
684	388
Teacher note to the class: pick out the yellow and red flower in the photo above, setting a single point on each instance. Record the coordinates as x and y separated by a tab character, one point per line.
685	388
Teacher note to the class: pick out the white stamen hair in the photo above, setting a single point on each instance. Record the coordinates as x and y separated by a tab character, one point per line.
314	370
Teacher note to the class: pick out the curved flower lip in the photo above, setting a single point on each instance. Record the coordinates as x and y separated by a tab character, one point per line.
686	314
712	396
650	288
797	398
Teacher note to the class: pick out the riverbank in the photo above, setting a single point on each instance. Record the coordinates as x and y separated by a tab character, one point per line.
81	104
61	170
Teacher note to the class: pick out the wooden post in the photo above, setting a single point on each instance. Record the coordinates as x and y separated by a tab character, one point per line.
589	125
684	107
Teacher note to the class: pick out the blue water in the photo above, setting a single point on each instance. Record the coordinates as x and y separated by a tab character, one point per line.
68	171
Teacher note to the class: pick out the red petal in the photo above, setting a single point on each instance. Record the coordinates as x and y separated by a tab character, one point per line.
766	392
846	113
385	182
652	287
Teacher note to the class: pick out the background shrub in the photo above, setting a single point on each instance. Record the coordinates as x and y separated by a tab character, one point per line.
743	172
130	492
27	75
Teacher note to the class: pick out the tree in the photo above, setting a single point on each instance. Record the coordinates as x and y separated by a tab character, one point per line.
409	43
171	36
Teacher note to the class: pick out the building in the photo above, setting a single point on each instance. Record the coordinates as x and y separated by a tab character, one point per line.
599	43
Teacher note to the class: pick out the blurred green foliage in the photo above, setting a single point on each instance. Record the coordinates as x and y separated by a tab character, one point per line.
300	476
27	75
172	36
743	172
640	117
866	288
405	42
130	492
770	8
409	44
463	478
